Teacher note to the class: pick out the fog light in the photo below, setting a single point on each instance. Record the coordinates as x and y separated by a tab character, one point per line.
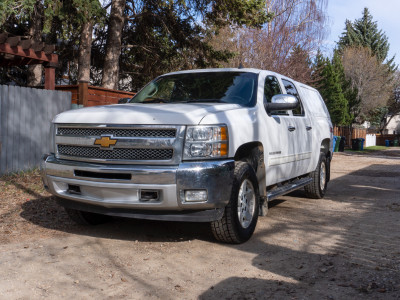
74	189
196	195
148	195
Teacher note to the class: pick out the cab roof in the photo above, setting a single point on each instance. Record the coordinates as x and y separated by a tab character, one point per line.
247	70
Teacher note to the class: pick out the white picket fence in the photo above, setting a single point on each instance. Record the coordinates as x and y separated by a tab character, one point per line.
370	140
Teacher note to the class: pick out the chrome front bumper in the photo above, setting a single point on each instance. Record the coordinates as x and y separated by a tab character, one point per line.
116	189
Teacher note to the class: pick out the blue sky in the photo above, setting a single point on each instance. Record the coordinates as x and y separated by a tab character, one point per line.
385	12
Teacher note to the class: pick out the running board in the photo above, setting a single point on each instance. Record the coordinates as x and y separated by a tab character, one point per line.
287	188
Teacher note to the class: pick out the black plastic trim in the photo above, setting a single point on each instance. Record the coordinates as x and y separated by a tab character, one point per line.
179	216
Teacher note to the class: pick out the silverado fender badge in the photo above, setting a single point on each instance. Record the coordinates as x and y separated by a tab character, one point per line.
105	142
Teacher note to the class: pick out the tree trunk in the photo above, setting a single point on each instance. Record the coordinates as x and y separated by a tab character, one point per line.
35	72
113	46
85	49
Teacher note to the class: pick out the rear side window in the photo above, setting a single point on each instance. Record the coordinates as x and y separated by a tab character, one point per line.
291	90
315	103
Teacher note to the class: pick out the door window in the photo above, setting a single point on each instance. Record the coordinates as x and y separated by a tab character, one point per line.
272	88
291	90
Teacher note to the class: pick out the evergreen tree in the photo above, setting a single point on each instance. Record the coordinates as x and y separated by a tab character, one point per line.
330	87
298	65
350	93
364	32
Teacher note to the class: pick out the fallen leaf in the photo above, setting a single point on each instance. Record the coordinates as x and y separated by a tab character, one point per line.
179	288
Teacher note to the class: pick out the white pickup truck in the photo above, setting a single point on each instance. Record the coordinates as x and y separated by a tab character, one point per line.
210	145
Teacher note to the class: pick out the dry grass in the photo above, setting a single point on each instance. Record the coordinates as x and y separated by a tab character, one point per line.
27	211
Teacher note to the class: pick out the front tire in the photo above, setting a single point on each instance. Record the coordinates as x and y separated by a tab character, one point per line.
86	218
241	214
317	188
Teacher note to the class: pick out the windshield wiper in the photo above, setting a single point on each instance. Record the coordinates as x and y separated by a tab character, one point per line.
203	100
155	100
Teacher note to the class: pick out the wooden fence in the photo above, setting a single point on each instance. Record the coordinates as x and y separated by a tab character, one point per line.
381	138
350	133
86	95
25	116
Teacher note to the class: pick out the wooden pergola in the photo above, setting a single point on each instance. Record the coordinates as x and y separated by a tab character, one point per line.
16	51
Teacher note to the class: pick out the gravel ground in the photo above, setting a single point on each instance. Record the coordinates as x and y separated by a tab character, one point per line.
346	246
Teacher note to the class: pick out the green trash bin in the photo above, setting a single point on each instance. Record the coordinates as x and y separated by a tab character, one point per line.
396	143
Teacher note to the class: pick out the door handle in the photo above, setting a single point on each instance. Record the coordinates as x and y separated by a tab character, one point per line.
308	128
291	128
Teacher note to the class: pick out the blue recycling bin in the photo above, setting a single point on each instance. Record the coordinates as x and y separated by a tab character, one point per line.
387	143
334	143
361	143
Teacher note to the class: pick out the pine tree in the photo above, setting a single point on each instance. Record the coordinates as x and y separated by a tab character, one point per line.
364	32
330	87
350	93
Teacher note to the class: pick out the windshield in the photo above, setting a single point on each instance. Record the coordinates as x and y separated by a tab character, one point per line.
221	87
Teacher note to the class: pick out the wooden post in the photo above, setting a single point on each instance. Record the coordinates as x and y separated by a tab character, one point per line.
50	78
83	92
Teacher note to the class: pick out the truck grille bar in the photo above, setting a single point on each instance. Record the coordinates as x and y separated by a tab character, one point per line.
116	132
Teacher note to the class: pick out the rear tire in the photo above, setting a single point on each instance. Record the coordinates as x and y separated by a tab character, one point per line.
241	214
317	188
86	218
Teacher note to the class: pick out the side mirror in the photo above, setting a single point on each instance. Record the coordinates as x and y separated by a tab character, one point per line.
282	102
123	100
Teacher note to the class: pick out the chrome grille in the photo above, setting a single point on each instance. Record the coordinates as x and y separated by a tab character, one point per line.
116	132
116	153
135	143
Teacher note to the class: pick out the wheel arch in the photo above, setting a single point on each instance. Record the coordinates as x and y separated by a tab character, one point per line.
253	153
325	148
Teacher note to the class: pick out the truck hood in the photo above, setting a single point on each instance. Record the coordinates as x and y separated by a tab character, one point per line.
167	114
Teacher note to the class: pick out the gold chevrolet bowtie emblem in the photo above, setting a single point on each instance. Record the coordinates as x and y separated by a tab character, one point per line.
105	142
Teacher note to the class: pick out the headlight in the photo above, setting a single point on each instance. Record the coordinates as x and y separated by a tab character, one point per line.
206	142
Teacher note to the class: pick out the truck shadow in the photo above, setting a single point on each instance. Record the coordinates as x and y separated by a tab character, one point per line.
46	213
251	288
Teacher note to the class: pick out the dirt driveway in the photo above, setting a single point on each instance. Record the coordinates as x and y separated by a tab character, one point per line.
346	246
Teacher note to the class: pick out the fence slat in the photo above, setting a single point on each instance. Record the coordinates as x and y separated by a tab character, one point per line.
10	133
31	122
3	128
17	129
